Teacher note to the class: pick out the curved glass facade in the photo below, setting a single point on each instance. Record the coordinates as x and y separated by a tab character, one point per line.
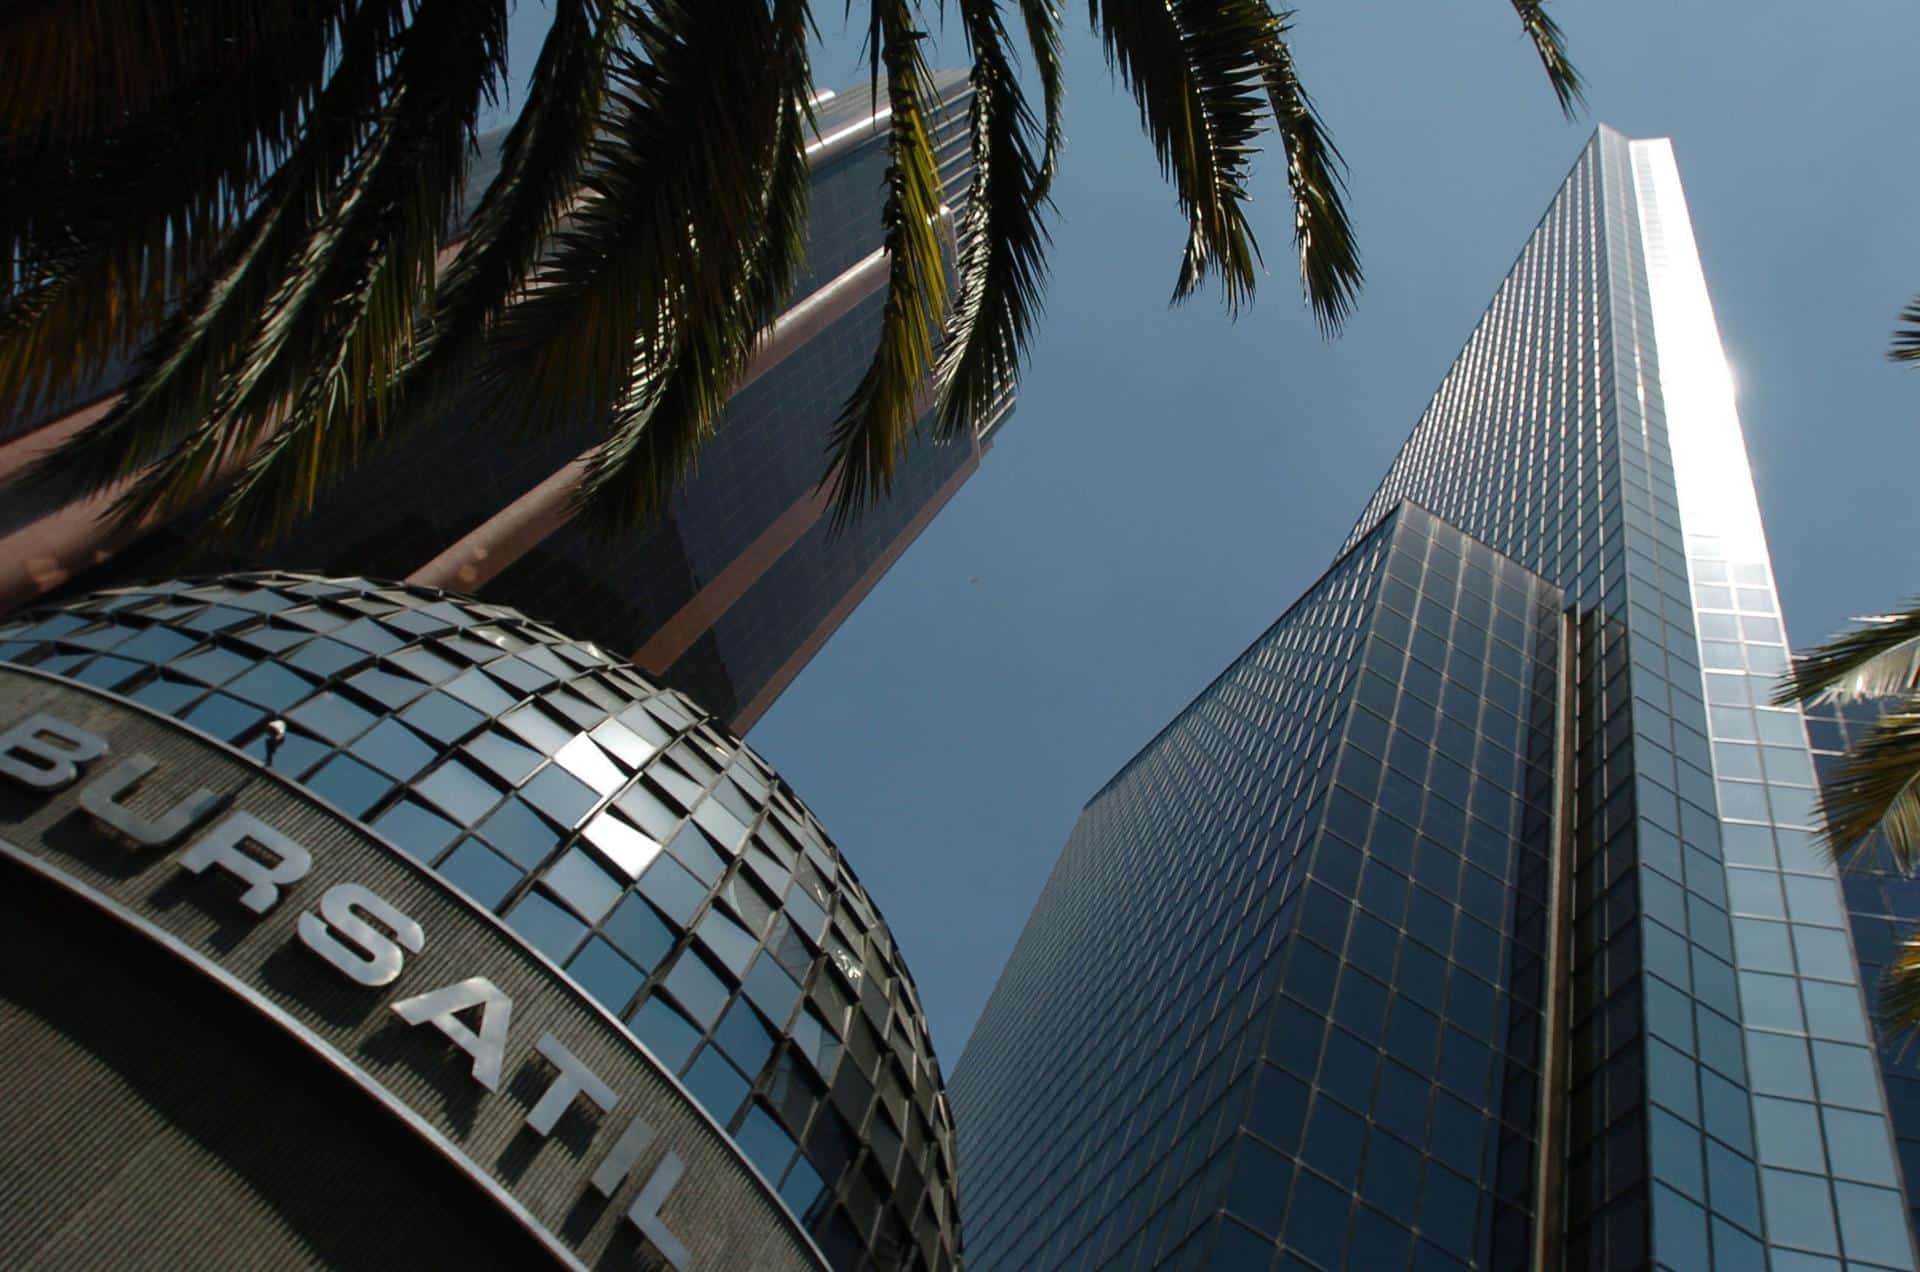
651	855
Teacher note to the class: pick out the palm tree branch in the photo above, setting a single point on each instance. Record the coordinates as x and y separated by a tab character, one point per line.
1193	67
183	367
77	69
879	415
347	317
1899	1006
107	236
1042	20
346	307
1550	44
679	149
1322	232
1876	787
1878	659
541	162
674	403
1003	241
1906	339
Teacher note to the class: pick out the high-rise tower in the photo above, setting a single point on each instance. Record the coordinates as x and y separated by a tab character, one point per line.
1472	916
740	582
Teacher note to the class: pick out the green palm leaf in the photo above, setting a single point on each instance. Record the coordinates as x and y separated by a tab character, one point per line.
110	232
184	369
1322	234
678	159
1879	659
1876	787
1002	261
1042	21
1194	68
671	407
878	418
1899	1009
76	69
312	389
542	160
1550	44
1906	340
266	189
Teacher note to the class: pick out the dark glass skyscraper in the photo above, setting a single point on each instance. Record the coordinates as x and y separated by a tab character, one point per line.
740	582
1472	916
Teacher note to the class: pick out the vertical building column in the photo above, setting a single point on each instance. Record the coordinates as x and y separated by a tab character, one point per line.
1829	1180
1550	1177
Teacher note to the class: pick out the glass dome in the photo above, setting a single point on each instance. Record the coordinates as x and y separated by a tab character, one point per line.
655	858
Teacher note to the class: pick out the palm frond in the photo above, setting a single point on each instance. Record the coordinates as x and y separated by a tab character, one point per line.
1906	339
1876	787
320	375
1322	233
1194	69
674	403
1003	240
183	368
77	69
104	236
1549	43
1042	21
879	416
679	154
541	163
1879	659
1899	1006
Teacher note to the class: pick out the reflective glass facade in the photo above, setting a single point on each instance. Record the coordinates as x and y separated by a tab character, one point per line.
608	822
1285	982
742	548
1883	910
1645	1017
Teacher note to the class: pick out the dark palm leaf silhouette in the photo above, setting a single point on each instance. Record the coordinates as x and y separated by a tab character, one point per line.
259	205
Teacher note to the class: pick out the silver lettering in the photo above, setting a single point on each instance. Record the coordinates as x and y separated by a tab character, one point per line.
645	1211
45	752
488	1047
573	1078
620	1158
376	957
101	798
222	846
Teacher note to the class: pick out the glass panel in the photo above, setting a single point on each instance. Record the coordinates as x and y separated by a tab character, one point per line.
1798	1212
670	1036
415	830
602	972
1788	1132
480	872
697	988
587	889
519	832
547	927
1857	1144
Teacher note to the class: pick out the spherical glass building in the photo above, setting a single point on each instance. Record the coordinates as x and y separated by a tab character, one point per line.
655	859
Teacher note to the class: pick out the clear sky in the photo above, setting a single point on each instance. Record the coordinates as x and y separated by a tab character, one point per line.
1171	480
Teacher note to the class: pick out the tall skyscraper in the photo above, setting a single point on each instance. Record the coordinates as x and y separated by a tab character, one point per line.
1472	917
741	581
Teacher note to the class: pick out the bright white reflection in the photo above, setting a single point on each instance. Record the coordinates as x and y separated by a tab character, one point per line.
1709	454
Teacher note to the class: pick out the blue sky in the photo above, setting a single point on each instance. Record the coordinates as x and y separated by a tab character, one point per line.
1171	479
